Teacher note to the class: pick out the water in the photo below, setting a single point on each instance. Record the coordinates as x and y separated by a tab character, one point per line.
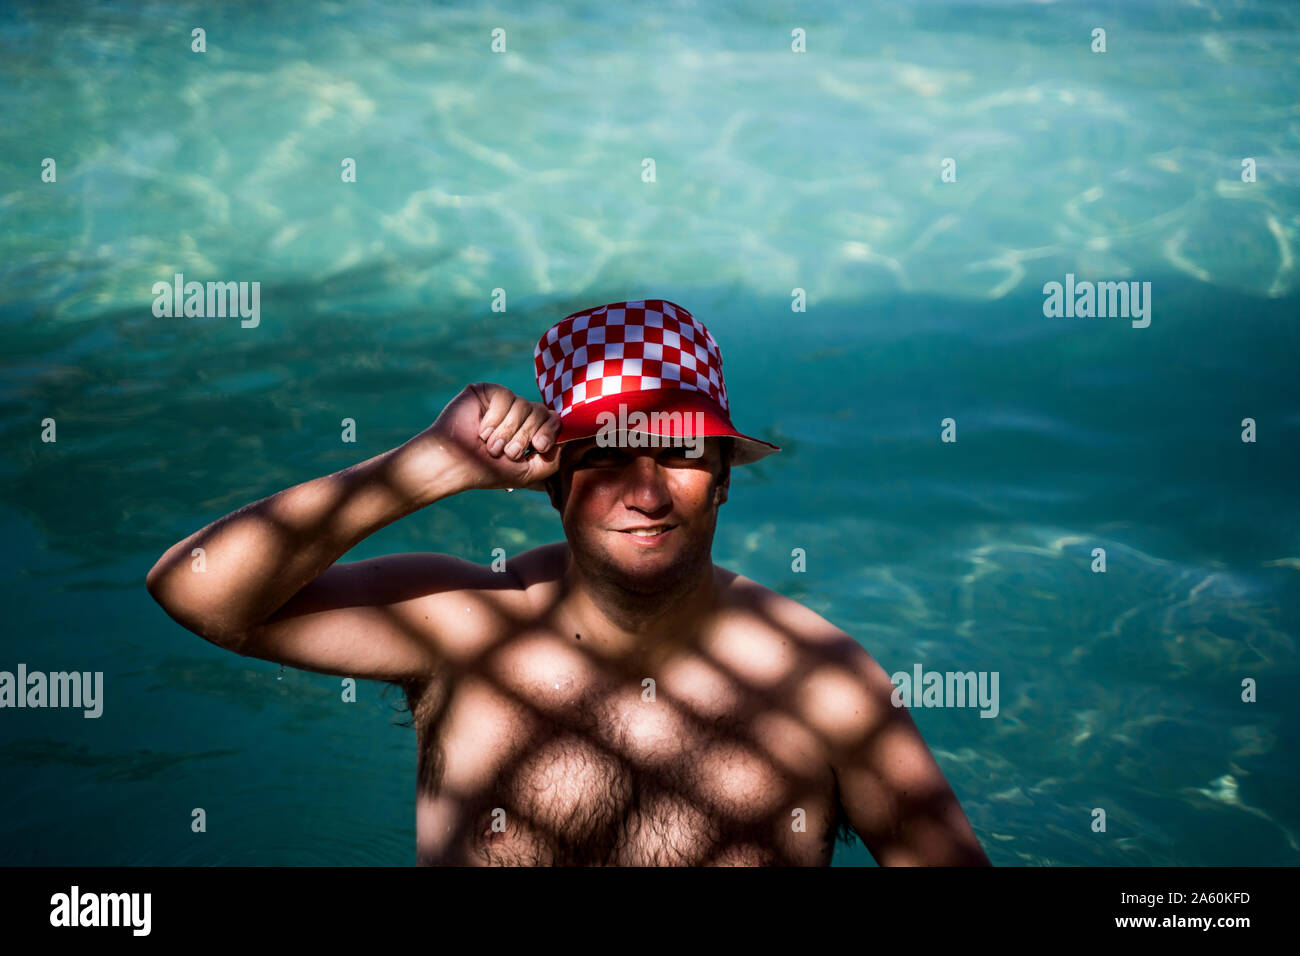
774	171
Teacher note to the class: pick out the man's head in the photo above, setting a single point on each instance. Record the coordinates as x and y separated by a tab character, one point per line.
603	492
640	367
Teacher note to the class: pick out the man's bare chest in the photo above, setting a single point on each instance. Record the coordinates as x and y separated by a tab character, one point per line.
541	756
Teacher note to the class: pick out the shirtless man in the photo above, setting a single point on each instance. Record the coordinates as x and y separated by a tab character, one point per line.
613	699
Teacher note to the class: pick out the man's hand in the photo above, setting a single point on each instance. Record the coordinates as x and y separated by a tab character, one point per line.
495	438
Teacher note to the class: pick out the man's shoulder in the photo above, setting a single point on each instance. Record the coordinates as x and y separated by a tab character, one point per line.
472	604
830	674
540	565
745	596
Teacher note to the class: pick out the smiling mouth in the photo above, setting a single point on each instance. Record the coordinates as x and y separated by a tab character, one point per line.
651	533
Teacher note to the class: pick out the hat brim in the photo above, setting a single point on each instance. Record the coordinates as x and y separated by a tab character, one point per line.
706	420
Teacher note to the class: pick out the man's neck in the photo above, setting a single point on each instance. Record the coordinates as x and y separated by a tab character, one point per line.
618	623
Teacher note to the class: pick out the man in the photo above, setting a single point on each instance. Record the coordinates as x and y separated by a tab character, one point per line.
615	698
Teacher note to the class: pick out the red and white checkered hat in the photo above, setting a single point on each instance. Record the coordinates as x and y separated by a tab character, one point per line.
650	355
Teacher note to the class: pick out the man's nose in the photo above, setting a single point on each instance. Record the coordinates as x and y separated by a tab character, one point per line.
647	484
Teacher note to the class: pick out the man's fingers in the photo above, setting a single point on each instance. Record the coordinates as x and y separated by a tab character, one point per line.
503	441
537	433
545	434
518	443
510	426
500	401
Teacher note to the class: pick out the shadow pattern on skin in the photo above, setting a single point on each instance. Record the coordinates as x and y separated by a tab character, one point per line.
575	794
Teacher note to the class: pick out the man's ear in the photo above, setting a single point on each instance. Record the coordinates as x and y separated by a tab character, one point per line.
724	482
552	486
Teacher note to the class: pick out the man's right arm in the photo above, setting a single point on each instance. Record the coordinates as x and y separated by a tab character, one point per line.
264	585
263	581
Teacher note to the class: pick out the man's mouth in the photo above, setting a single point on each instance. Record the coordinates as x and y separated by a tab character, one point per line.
649	534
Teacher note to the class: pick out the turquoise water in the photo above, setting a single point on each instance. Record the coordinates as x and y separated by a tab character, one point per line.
774	171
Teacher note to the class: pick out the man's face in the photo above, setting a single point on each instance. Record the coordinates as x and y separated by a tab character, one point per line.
606	491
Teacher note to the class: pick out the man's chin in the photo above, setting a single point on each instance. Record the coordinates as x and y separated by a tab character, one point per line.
645	574
645	571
